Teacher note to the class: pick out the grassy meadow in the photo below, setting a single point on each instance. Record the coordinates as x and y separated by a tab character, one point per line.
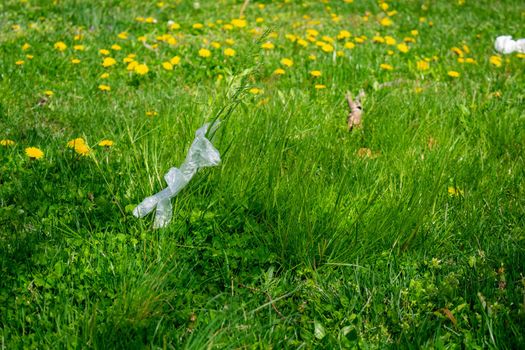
406	232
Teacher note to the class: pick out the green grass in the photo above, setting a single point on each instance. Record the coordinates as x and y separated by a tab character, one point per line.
296	240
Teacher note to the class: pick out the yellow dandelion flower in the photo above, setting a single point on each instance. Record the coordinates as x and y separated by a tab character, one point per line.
48	93
25	47
315	73
150	20
79	47
386	22
75	61
312	57
279	71
151	113
116	47
216	45
378	39
288	62
108	62
403	47
74	142
327	48
106	143
141	69
167	65
34	153
198	26
259	20
104	52
19	62
422	65
82	149
122	35
174	26
29	57
132	65
205	53
359	40
453	74
414	32
7	142
457	51
390	41
302	42
384	6
495	60
104	76
320	86
343	34
255	91
229	41
60	46
349	45
103	87
229	52
470	60
386	66
239	23
268	45
175	60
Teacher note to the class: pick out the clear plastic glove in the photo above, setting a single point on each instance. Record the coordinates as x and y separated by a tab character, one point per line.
201	154
505	44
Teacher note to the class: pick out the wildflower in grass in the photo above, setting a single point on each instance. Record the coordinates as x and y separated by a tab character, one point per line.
239	23
268	45
229	41
132	65
82	149
457	51
386	22
409	39
343	34
108	62
173	25
390	40
390	52
453	74
25	47
386	66
205	53
103	87
150	20
167	65
116	47
259	20
77	141
75	61
414	32
227	26
104	76
34	153
470	60
320	86
378	39
216	45
48	93
403	47
151	113
175	60
79	47
19	62
495	60
197	26
384	6
105	143
422	65
141	69
327	48
359	40
255	91
288	62
349	45
302	42
103	52
60	46
29	57
122	35
315	73
229	52
7	142
139	19
455	192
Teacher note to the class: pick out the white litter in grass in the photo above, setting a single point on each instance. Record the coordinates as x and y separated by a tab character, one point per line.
505	44
201	154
